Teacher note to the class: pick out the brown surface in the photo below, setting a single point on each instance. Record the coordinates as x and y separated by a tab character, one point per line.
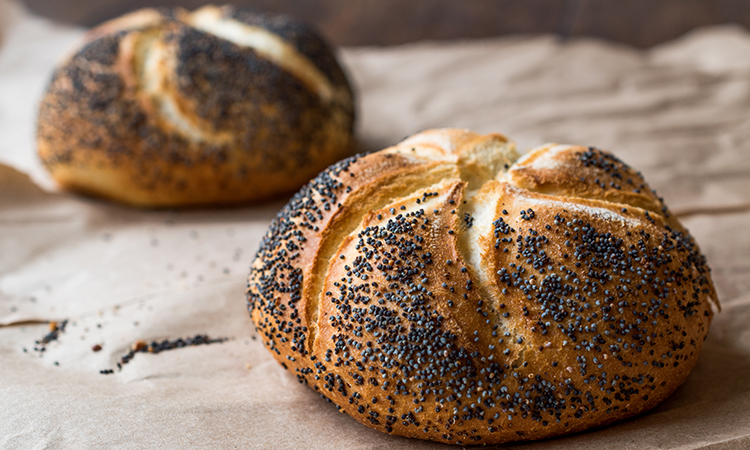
358	22
645	23
642	23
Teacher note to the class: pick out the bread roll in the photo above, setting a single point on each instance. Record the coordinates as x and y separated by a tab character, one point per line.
447	289
164	108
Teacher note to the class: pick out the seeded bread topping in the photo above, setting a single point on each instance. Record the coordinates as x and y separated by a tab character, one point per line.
445	289
165	108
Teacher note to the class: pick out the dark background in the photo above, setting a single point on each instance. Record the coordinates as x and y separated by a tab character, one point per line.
641	23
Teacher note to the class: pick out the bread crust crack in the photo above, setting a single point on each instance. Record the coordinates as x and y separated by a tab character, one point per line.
439	290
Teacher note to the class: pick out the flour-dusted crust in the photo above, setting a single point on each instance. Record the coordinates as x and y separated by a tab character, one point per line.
164	108
445	289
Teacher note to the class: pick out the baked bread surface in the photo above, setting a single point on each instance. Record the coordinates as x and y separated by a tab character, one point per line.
164	107
446	289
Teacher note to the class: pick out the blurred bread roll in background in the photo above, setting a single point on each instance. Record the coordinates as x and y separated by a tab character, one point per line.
168	108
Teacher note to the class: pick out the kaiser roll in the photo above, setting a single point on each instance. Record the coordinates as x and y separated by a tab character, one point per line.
447	289
164	108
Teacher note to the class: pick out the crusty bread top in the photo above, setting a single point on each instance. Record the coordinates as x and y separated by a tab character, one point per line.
193	86
164	107
445	289
287	42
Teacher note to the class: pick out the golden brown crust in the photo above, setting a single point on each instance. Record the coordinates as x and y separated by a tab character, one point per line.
169	108
576	171
479	306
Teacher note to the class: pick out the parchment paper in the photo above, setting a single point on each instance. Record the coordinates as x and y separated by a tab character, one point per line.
678	112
